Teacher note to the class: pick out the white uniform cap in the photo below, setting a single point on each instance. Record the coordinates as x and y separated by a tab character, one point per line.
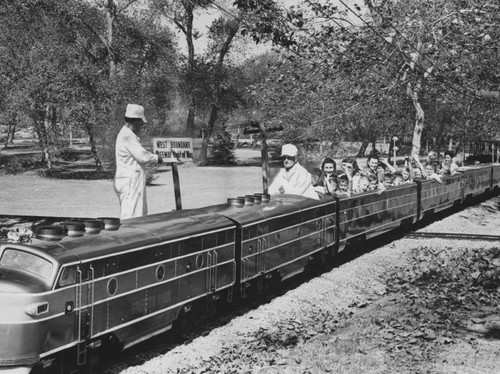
135	111
289	150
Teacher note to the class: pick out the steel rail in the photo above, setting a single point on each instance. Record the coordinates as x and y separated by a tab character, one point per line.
449	235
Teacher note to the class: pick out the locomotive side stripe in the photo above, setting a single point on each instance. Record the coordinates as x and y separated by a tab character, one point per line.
124	294
377	228
228	228
267	219
62	289
117	296
286	228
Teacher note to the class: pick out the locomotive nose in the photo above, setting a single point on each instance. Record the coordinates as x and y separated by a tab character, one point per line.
7	286
21	336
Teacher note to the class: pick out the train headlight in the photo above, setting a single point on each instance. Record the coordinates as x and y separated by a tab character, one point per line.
34	310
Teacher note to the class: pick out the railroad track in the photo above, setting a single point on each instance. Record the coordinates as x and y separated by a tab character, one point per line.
454	236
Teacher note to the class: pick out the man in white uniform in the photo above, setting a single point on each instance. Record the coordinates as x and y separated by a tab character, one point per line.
293	179
131	160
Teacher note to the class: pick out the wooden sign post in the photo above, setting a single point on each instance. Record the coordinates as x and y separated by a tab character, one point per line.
253	127
177	186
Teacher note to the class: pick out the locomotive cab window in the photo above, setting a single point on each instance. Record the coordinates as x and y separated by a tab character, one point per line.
68	277
29	262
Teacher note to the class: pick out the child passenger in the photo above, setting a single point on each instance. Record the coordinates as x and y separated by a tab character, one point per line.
397	178
345	184
406	175
363	184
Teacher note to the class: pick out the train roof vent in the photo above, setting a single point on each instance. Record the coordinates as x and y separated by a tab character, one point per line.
257	199
264	197
249	200
49	232
236	201
73	228
110	223
93	226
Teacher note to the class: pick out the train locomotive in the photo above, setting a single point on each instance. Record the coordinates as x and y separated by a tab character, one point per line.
75	287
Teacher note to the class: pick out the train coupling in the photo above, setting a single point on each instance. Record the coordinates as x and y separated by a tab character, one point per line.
95	344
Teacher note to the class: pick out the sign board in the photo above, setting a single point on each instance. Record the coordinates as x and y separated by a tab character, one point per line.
174	148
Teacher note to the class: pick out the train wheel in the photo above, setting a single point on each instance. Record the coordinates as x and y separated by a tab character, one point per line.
111	347
181	325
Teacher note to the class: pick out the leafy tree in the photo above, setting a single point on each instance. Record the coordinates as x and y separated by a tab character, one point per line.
425	50
62	68
182	14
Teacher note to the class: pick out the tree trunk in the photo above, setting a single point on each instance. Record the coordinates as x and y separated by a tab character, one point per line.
110	19
93	146
44	127
419	119
214	112
190	124
362	150
11	130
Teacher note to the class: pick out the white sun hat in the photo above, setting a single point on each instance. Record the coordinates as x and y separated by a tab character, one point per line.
289	150
135	111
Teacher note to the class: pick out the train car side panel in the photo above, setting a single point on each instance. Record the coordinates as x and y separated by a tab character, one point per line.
476	180
370	214
436	196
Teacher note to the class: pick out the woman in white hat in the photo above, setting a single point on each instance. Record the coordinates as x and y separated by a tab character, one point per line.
294	178
131	160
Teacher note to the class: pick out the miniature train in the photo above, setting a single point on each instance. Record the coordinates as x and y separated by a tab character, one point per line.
73	288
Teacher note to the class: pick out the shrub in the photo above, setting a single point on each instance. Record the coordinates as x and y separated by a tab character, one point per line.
221	151
14	166
68	154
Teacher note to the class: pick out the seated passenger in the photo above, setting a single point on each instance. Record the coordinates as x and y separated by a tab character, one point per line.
371	165
417	174
350	165
406	175
430	172
316	176
375	184
383	167
293	178
388	180
344	184
448	166
363	184
326	183
397	178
